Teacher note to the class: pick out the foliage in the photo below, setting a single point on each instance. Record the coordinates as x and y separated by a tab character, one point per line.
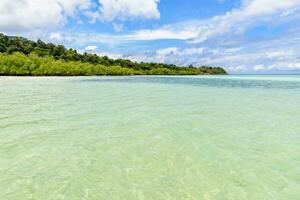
19	56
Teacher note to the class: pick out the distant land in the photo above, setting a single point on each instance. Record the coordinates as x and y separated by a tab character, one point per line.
22	57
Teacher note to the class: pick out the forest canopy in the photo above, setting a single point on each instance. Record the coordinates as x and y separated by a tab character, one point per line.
22	57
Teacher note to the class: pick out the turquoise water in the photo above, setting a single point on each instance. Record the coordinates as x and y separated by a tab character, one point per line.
92	138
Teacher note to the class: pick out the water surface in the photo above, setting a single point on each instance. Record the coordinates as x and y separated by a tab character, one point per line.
206	137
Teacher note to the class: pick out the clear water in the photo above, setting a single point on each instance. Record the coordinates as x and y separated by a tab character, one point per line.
209	137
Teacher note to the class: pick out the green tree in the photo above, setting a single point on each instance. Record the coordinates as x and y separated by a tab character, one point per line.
40	58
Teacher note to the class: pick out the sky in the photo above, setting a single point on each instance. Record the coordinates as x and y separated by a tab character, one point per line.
243	36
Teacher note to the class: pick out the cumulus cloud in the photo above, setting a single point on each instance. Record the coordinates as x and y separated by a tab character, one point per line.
56	36
55	12
29	15
240	56
219	47
251	12
237	21
125	9
280	53
32	14
172	55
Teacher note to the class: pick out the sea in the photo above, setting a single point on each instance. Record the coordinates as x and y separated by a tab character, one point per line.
231	137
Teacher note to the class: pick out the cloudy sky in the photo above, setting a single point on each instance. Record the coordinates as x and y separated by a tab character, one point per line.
244	36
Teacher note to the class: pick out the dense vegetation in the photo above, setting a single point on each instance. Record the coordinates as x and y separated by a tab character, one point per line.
19	56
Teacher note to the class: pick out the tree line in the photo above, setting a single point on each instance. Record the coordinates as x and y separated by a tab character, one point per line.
20	56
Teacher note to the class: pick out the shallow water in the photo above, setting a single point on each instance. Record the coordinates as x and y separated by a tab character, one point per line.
207	137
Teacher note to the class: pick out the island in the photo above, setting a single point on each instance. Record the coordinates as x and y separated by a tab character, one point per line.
22	57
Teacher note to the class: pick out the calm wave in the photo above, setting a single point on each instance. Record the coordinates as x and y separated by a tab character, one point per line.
280	82
206	137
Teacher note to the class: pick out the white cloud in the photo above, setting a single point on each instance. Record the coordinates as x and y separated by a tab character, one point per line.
197	31
118	27
90	48
251	12
160	34
174	55
279	66
254	8
233	22
23	15
280	53
110	54
167	51
55	12
192	51
174	51
240	68
140	35
285	65
93	49
240	56
56	36
259	67
127	9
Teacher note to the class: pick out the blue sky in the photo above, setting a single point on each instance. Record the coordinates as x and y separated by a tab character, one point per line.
244	36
